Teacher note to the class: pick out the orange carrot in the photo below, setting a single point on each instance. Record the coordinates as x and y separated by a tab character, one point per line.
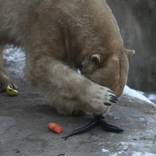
54	127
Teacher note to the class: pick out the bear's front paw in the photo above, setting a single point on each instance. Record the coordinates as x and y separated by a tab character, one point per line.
6	81
101	99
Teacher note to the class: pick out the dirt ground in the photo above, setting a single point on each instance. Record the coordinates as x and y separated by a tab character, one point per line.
24	119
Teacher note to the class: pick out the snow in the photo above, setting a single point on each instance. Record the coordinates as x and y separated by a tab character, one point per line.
143	154
136	94
123	152
104	150
152	97
116	154
14	59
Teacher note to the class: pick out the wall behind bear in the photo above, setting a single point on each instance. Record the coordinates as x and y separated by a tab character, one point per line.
137	22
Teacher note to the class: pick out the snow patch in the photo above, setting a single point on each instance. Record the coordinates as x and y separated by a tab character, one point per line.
115	154
152	97
14	59
104	150
136	94
143	154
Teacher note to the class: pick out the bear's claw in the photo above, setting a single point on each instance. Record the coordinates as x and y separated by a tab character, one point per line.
113	99
107	104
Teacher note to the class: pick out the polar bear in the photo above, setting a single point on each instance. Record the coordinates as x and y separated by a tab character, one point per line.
60	37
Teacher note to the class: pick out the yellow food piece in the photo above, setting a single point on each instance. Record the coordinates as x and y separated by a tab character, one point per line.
11	91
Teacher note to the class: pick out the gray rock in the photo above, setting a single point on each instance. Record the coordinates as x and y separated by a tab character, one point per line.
137	22
6	123
25	131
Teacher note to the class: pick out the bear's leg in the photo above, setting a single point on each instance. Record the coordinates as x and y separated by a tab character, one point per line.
66	89
4	78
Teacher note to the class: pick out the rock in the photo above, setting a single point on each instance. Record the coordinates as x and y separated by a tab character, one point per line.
137	22
28	115
6	123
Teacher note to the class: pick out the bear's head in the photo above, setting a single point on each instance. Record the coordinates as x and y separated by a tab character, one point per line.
108	69
93	37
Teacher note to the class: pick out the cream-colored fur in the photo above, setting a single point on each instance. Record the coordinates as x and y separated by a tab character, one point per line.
60	37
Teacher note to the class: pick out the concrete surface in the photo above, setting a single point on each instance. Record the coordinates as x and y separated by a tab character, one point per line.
24	119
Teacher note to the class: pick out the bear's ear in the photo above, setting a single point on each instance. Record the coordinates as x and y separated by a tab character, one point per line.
129	53
97	58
